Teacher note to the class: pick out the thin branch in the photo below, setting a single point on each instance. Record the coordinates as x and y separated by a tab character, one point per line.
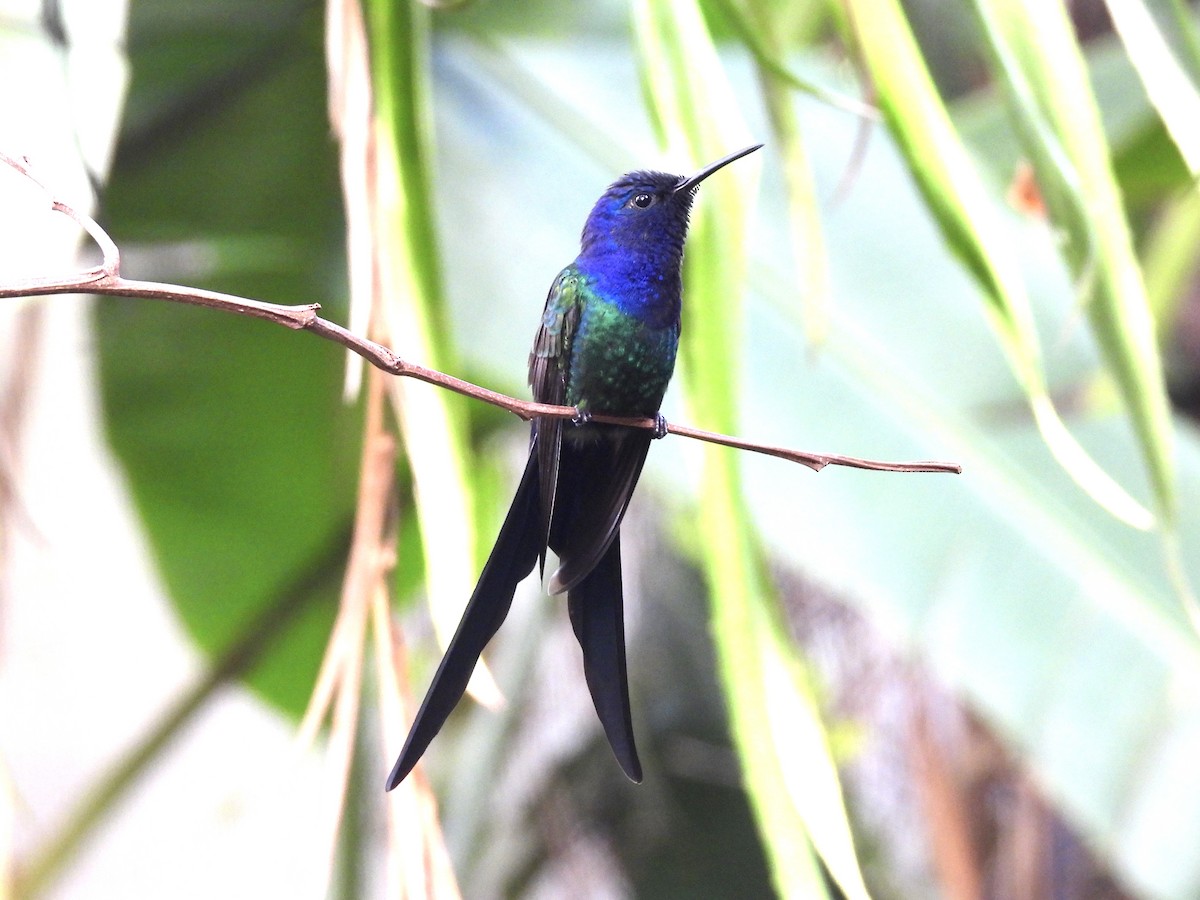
106	279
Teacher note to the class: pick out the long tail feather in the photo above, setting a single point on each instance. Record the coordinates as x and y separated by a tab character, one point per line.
596	481
513	557
597	615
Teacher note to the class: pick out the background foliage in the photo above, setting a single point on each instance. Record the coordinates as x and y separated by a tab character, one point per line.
951	318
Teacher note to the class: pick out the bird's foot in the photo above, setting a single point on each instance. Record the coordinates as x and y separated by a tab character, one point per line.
581	417
660	427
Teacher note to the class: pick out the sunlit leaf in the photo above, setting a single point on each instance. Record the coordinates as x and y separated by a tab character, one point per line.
414	315
1040	64
957	198
812	266
1159	35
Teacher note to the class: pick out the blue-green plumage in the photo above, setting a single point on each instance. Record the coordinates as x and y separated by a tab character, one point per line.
607	344
608	359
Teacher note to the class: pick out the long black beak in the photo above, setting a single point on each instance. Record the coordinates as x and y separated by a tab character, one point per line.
689	183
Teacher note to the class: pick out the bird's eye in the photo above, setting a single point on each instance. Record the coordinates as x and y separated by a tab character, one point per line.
642	201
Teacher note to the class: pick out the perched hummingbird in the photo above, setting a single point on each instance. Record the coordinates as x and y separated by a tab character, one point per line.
606	344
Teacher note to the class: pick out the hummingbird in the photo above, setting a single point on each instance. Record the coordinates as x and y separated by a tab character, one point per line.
606	344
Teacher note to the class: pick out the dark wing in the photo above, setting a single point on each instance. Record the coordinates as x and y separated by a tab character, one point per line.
517	548
549	362
595	479
598	617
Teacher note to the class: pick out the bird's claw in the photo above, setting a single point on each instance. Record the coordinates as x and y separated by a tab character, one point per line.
581	417
660	427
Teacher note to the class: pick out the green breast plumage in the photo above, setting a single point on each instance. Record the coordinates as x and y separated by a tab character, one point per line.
618	364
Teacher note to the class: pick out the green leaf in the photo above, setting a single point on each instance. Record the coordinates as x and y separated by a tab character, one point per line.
956	196
813	284
432	422
1171	258
1162	43
758	30
239	451
1040	64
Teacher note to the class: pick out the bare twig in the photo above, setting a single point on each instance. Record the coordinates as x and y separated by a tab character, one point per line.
106	279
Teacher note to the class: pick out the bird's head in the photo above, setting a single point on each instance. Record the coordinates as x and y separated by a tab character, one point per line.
639	213
646	214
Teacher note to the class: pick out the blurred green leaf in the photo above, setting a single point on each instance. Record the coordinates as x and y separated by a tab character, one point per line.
1042	69
759	27
432	422
1160	36
956	196
239	451
812	265
1172	257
